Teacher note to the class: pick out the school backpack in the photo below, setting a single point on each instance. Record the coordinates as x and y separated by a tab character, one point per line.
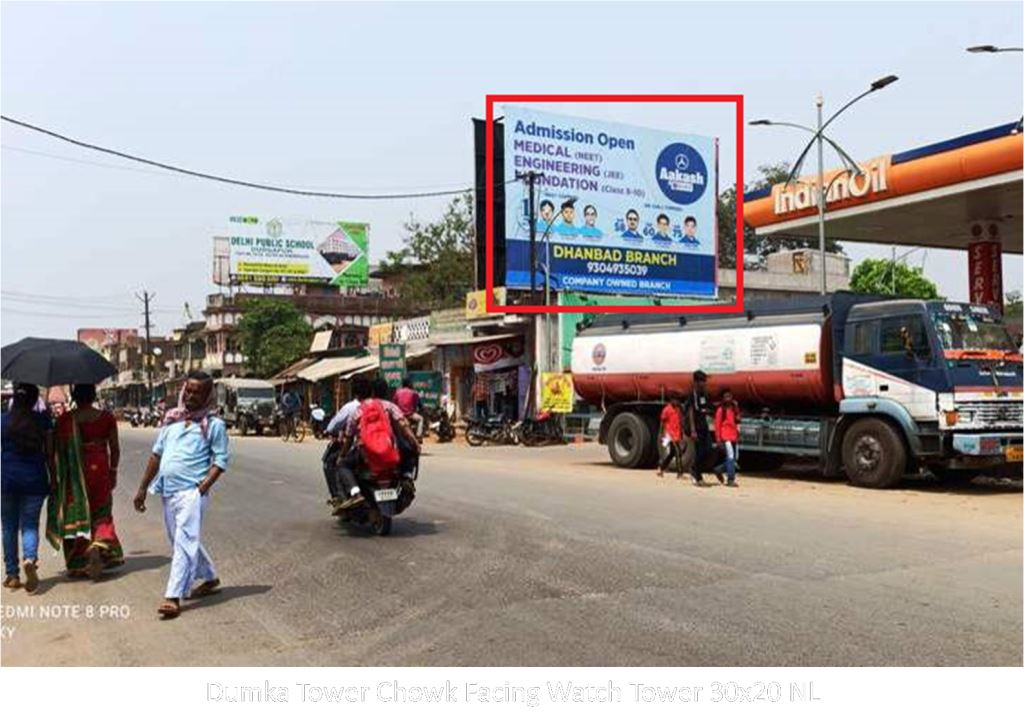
380	449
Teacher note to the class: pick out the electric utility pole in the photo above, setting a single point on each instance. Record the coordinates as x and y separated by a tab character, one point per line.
145	298
531	179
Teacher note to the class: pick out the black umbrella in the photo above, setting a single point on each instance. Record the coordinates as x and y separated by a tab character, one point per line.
47	362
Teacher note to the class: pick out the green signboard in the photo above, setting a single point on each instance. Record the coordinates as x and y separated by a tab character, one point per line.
428	386
392	364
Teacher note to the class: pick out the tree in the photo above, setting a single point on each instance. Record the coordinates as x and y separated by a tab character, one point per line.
754	245
437	258
876	277
274	334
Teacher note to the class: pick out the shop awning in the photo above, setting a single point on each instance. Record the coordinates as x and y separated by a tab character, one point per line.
334	366
289	373
417	349
441	340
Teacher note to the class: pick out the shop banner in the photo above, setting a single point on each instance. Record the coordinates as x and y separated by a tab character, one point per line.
626	210
379	334
476	302
492	356
428	386
556	392
289	250
392	364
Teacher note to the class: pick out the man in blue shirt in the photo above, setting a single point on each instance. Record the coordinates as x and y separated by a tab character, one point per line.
632	224
663	236
690	227
547	215
568	227
188	457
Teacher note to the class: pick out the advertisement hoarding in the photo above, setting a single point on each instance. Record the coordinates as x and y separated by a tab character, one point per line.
556	393
626	210
289	250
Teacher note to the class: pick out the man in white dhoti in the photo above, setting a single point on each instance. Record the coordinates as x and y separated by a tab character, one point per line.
188	457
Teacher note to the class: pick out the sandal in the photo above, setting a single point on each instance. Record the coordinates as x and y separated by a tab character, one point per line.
208	587
94	568
31	575
12	582
169	609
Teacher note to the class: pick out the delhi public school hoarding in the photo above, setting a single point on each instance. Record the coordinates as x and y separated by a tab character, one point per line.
283	250
643	220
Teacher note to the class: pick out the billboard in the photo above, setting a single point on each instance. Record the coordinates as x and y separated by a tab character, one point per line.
97	337
626	210
290	250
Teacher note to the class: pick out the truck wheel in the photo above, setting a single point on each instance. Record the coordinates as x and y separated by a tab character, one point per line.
629	441
873	454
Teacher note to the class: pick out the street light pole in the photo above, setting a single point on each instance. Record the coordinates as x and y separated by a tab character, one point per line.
819	138
819	101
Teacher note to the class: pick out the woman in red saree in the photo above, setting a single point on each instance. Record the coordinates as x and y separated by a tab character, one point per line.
87	459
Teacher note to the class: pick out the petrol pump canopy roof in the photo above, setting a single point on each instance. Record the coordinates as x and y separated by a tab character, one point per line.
929	196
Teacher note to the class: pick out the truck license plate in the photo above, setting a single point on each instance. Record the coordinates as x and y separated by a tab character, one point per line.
386	494
1015	453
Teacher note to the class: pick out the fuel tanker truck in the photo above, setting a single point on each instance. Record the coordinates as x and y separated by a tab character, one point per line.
871	387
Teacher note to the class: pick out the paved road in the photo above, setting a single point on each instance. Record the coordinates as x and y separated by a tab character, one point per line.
552	557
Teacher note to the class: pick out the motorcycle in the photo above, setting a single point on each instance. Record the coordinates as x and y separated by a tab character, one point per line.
154	418
440	424
318	422
545	429
134	418
386	495
494	429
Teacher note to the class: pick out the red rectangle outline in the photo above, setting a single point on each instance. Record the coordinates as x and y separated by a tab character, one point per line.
491	99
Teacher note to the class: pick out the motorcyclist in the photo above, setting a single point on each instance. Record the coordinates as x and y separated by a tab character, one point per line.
351	455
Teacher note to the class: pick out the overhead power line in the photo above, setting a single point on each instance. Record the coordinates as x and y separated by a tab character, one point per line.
65	316
227	180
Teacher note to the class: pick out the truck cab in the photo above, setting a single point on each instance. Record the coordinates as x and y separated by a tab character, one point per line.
948	374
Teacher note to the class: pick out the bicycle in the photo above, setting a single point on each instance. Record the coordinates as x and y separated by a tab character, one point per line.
292	427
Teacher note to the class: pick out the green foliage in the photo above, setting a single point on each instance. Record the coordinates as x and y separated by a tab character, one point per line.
876	277
273	334
437	259
755	246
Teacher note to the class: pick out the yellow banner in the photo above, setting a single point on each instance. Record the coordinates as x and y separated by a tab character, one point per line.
556	392
379	334
476	302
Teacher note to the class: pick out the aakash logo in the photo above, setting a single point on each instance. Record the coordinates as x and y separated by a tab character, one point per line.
681	173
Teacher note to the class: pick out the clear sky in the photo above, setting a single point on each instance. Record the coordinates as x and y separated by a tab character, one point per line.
380	96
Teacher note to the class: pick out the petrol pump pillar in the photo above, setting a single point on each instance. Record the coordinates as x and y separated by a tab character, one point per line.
985	264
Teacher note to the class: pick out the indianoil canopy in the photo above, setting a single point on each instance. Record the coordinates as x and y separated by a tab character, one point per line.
290	250
626	210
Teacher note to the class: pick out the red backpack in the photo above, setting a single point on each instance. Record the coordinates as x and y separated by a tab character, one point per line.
379	446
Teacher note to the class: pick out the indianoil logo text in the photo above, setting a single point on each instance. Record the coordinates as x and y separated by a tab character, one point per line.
598	354
839	187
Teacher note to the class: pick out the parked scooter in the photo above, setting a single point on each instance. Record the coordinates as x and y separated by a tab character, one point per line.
496	429
545	429
440	424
